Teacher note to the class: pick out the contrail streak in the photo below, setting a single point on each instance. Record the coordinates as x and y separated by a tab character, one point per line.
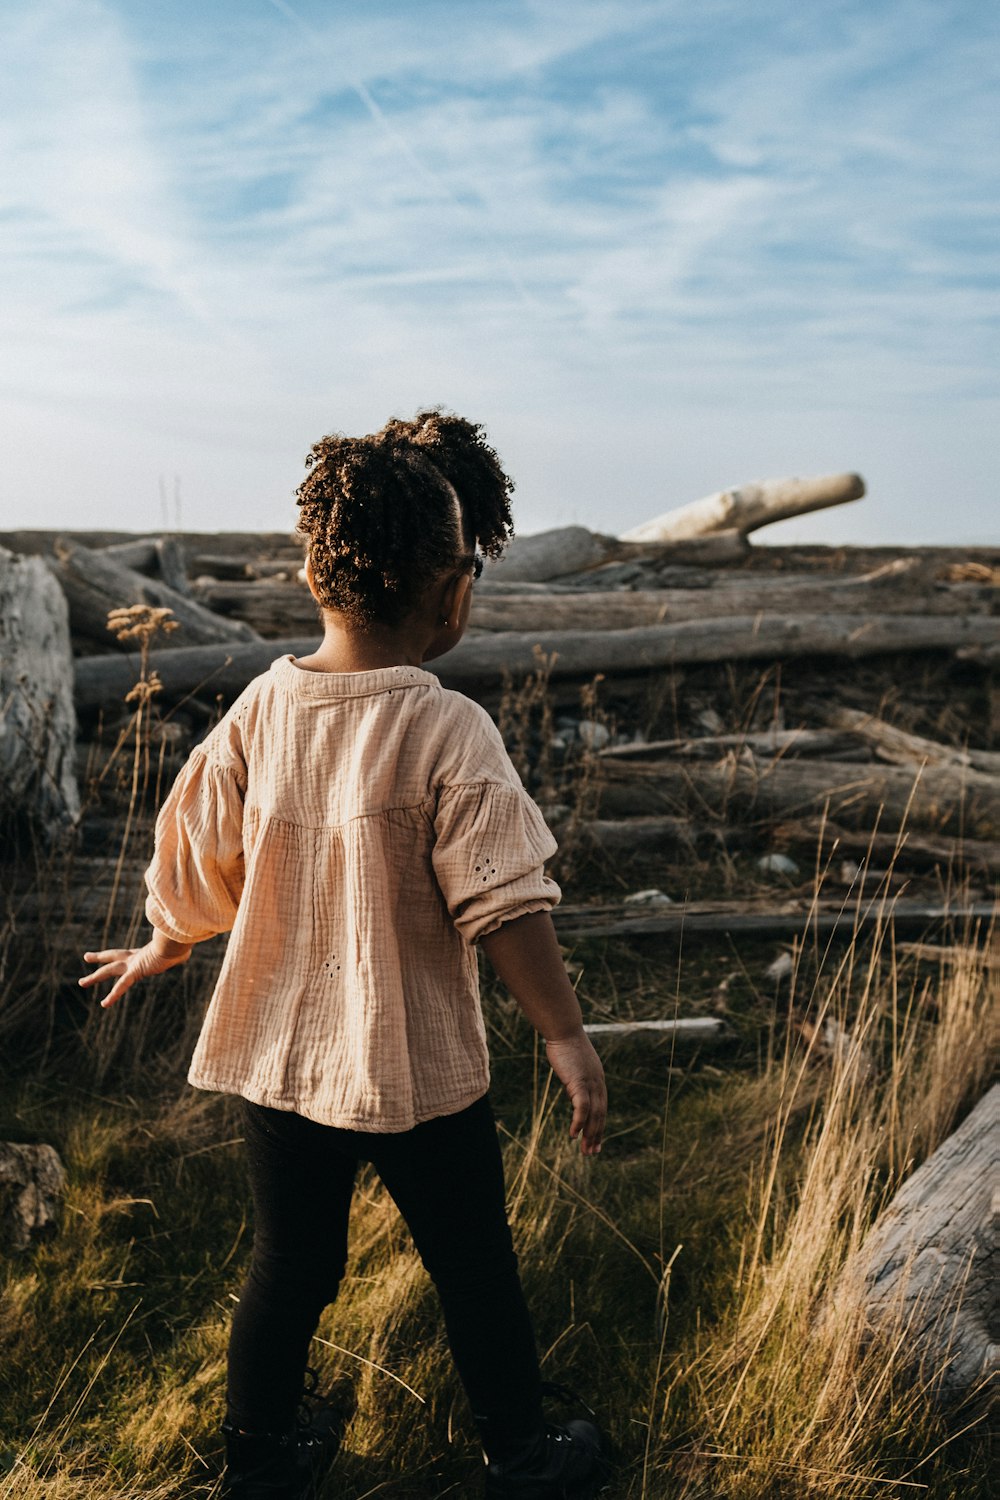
402	145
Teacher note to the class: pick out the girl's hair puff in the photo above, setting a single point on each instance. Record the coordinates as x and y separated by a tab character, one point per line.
378	512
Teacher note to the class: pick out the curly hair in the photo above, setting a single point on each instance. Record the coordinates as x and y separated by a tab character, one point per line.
379	517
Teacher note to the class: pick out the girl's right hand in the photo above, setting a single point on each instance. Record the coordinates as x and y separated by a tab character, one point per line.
128	965
578	1068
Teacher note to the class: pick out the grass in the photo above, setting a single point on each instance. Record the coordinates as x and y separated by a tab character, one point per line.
694	1283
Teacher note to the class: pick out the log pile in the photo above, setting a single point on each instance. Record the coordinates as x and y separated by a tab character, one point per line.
664	612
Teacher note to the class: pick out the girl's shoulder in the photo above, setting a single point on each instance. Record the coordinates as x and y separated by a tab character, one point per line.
471	747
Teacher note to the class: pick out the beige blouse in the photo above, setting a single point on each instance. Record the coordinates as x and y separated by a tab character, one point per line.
358	832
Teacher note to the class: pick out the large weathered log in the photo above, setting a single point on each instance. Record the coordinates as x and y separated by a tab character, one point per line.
548	554
32	1180
569	551
928	1273
749	919
940	798
765	742
273	609
37	720
482	660
749	507
911	850
160	556
287	608
95	583
673	838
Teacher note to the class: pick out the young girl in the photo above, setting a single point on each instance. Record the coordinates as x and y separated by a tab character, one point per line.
359	829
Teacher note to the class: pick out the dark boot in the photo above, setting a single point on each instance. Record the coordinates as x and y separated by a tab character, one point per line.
265	1466
283	1466
560	1463
568	1461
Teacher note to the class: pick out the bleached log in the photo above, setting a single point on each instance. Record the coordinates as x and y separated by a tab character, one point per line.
685	1029
548	554
139	553
32	1183
749	506
901	748
273	609
766	742
675	838
277	608
37	718
927	1275
624	837
170	562
154	556
480	661
944	799
95	583
911	850
748	919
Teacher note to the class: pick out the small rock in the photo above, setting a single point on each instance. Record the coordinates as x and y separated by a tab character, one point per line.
781	968
32	1179
594	735
849	871
558	742
777	864
651	898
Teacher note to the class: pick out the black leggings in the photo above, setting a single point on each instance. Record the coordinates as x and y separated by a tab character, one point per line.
446	1178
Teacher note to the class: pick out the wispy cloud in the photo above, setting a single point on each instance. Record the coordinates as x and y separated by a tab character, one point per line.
230	225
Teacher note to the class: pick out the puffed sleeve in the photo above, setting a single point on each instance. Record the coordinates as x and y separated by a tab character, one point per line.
196	876
491	842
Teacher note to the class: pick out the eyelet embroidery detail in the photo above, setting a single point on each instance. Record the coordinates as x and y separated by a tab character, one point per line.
486	866
327	966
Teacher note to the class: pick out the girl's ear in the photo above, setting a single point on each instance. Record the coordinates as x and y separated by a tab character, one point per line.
452	597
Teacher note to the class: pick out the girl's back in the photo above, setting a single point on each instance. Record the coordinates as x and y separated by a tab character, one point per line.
359	831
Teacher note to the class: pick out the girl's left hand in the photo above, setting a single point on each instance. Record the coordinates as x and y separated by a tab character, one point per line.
126	965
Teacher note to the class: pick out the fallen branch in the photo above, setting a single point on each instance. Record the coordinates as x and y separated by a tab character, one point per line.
901	748
95	584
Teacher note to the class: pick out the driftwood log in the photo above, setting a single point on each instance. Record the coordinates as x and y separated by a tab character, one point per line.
275	609
37	719
684	1029
95	583
569	551
32	1180
901	748
944	799
929	1272
675	838
750	506
792	919
482	660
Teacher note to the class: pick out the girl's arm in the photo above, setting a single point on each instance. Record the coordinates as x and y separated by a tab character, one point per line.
126	965
525	953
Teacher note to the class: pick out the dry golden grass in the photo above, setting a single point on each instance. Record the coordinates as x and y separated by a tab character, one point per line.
691	1283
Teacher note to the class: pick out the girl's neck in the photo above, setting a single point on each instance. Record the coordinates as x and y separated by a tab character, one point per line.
351	650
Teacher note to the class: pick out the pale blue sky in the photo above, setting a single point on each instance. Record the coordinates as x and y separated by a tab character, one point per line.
657	247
